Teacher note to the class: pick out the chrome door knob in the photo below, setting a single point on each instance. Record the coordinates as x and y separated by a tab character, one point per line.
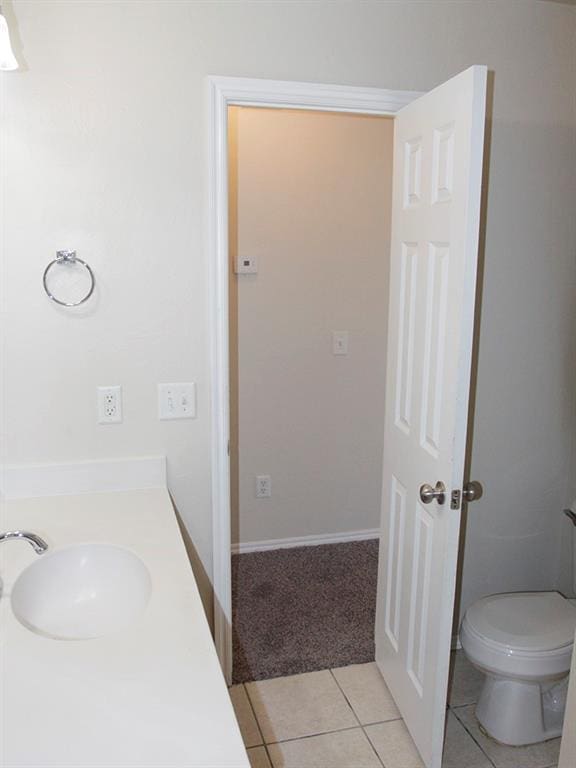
428	494
472	491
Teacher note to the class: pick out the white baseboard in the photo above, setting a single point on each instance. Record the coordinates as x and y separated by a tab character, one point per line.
33	480
304	541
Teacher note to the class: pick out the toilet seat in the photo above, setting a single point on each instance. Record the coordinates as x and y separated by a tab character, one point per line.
521	635
524	622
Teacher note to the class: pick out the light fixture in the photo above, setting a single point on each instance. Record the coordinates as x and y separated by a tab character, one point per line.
7	58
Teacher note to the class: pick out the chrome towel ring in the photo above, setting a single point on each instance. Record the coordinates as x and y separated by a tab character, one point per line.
68	257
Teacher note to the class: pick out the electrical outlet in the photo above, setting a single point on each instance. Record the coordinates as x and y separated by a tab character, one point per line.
177	401
263	486
109	405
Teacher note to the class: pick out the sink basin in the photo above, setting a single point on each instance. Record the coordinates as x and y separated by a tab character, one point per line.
82	592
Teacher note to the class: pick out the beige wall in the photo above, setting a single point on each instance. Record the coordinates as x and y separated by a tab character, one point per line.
313	205
103	150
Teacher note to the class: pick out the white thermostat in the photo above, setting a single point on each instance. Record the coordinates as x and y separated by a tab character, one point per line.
246	265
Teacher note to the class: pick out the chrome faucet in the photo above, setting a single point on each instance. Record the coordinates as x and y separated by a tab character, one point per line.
39	545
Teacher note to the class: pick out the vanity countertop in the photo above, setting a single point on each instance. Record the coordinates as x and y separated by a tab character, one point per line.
151	696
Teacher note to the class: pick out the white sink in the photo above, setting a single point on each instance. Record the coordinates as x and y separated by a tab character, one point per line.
82	592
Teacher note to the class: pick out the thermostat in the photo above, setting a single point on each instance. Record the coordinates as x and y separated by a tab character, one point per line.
246	265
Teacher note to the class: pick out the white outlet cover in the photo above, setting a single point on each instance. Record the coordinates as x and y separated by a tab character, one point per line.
263	486
177	401
110	404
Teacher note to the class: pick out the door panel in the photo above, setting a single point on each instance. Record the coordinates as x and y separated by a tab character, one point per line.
438	148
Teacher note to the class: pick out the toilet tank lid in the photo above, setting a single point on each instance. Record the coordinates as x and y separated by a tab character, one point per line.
524	621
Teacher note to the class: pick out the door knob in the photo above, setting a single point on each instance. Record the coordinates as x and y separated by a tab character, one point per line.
427	493
472	491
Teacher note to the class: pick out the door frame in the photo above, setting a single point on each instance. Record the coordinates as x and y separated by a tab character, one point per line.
223	92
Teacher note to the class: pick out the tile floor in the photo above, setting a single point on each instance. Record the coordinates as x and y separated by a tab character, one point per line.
346	718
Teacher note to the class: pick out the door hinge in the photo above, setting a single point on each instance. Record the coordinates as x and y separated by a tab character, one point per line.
455	500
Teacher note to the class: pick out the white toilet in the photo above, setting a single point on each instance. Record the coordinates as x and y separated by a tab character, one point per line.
523	643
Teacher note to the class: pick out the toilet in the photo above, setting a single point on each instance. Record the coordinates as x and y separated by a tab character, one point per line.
522	642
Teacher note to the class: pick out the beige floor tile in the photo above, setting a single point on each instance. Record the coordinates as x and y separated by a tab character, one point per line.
465	681
367	693
460	749
535	756
394	745
246	720
299	705
258	758
345	749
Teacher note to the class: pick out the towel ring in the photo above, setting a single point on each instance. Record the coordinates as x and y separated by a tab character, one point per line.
68	257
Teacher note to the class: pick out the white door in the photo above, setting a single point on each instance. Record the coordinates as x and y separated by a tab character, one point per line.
438	146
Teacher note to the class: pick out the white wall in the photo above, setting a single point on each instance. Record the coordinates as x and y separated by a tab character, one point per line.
313	205
103	151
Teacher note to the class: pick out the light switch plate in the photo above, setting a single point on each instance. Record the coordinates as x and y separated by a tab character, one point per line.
177	401
340	342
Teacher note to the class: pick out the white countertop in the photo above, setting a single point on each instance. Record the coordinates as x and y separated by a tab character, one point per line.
151	696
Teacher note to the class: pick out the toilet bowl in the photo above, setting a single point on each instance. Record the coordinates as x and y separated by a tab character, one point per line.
522	642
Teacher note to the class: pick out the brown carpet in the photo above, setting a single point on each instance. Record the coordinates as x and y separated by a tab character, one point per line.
303	609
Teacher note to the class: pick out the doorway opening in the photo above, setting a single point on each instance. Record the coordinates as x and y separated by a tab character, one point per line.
309	237
223	92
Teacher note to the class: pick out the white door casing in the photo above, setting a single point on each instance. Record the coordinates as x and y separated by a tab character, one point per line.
223	92
438	152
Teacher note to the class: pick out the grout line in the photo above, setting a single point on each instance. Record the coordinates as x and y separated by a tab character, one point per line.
453	707
383	722
373	747
460	706
261	746
474	739
313	735
372	722
361	724
254	715
345	697
296	738
268	755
